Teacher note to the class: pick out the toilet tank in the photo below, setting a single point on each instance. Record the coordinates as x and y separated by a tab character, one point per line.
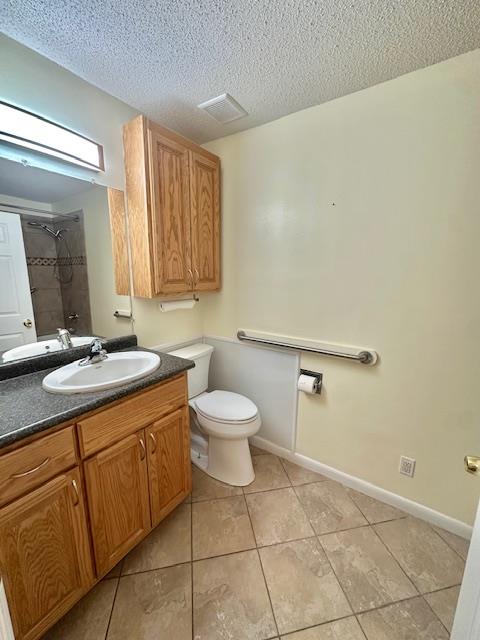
198	377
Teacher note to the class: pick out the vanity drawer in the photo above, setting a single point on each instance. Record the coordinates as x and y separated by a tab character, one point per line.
35	463
112	424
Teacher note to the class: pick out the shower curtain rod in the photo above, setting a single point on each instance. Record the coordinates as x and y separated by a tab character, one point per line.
70	216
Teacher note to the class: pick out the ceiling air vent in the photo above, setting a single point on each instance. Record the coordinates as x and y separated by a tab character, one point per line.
224	108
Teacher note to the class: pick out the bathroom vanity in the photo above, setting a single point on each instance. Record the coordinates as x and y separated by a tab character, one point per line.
84	483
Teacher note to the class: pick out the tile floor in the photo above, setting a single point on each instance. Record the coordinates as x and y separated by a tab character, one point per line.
294	556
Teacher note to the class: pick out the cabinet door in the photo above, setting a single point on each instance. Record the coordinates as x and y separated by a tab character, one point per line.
205	221
169	463
45	554
170	211
117	491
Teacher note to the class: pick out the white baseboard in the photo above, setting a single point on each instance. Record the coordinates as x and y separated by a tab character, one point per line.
409	506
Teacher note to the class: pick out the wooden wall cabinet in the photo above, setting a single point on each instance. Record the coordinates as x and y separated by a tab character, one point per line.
173	209
65	522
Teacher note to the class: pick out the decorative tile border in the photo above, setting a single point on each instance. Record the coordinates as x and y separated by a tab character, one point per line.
53	262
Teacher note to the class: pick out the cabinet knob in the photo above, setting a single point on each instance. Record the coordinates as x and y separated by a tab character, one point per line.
76	497
143	451
154	442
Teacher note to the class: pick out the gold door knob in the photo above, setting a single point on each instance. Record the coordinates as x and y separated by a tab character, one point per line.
28	323
472	464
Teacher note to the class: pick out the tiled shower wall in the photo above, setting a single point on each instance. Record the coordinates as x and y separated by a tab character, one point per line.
73	275
56	303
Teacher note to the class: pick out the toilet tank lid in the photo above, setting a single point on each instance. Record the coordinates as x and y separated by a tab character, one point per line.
193	351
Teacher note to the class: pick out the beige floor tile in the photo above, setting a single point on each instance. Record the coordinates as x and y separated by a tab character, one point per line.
277	516
346	629
256	451
425	557
166	545
302	585
408	620
88	620
368	573
153	605
115	572
374	510
221	527
207	488
329	507
269	474
458	544
299	475
230	599
444	603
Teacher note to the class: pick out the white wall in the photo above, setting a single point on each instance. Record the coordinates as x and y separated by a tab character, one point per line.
357	222
268	377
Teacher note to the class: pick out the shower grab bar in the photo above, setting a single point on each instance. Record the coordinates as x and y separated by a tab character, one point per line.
363	356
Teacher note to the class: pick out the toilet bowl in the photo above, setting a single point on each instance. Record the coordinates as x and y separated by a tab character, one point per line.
220	422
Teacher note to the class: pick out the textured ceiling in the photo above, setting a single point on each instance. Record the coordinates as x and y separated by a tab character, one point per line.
37	184
274	56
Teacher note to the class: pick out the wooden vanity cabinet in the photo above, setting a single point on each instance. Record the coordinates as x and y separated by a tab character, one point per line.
168	463
173	210
117	488
75	501
45	560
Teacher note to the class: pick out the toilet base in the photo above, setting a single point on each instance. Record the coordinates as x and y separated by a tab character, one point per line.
226	460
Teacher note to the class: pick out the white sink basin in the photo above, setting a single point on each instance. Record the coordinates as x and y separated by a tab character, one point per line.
41	348
118	368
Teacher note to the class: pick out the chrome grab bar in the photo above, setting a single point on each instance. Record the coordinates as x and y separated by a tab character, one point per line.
364	357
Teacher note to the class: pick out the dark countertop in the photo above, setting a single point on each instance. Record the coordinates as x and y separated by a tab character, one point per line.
26	408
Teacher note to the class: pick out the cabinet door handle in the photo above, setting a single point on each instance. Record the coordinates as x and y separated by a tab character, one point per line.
190	273
142	447
76	497
27	473
197	276
154	442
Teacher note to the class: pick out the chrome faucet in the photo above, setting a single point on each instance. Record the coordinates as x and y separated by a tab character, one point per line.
97	353
65	338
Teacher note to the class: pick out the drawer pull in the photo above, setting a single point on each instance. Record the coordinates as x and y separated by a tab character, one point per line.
27	473
142	446
154	442
76	497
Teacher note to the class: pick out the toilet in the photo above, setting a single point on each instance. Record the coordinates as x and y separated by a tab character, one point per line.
220	423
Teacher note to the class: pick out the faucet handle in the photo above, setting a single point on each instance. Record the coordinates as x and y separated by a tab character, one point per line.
96	346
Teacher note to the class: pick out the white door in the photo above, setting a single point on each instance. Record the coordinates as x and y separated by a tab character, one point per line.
17	324
467	617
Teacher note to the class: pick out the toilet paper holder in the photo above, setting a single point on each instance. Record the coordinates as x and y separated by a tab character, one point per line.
316	375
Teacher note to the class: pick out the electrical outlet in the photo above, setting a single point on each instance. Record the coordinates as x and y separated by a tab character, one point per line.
407	466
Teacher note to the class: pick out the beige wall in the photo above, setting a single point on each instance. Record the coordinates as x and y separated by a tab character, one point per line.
33	82
358	222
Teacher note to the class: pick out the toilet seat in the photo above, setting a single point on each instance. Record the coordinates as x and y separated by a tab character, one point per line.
225	407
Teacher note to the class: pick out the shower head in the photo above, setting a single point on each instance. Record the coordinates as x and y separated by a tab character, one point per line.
47	229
